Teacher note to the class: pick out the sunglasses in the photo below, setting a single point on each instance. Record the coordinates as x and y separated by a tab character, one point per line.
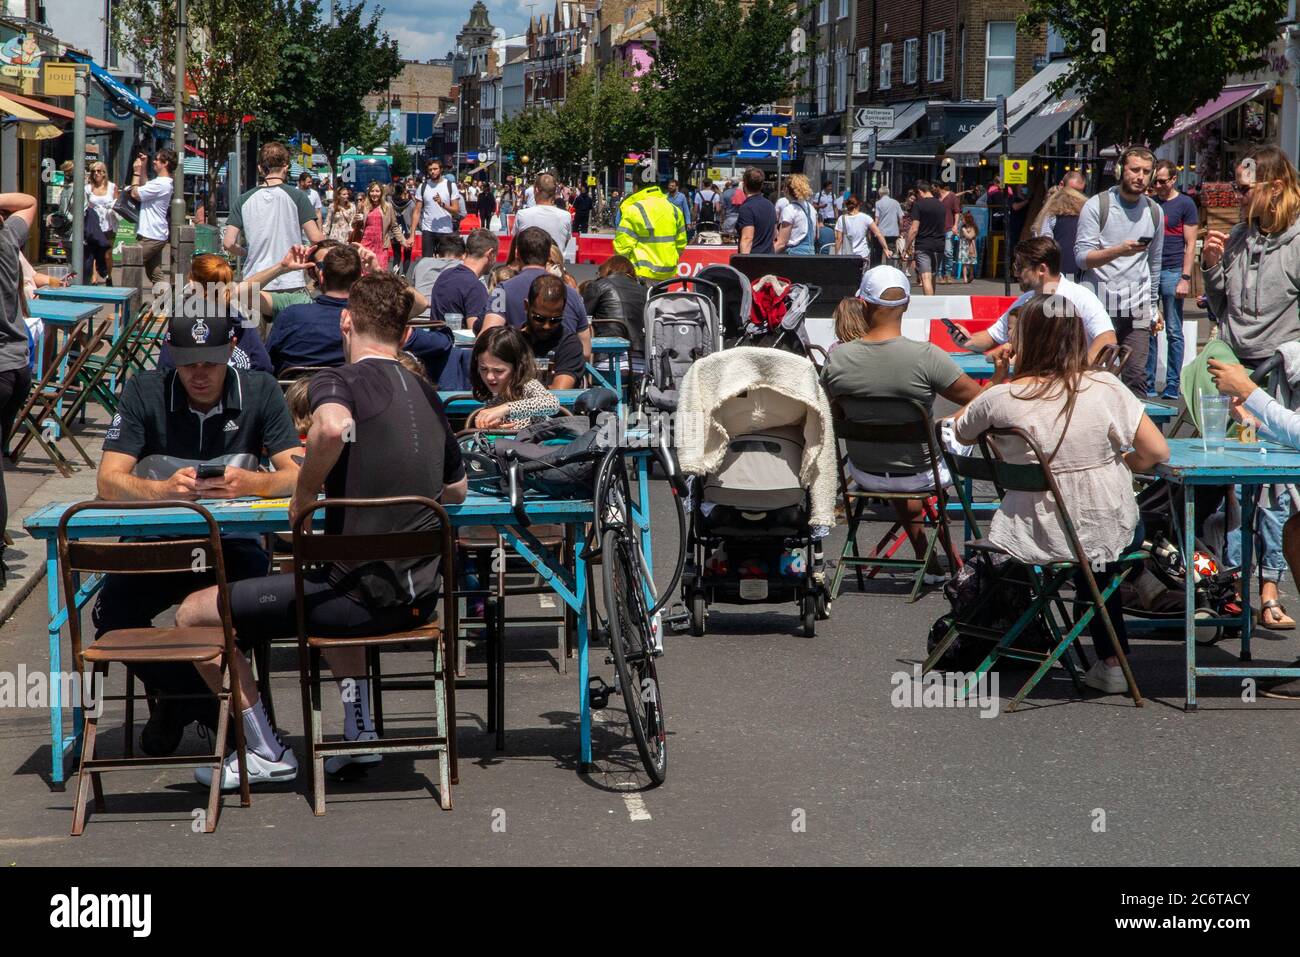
545	320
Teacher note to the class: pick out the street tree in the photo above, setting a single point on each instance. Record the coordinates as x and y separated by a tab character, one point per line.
1140	64
717	61
232	52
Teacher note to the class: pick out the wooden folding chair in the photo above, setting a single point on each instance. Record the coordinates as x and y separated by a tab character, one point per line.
891	421
58	397
311	550
1043	583
132	647
102	377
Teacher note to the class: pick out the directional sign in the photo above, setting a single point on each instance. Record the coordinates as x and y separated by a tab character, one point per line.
866	116
1015	172
780	131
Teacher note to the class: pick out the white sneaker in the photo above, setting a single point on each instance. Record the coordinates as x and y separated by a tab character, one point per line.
1106	679
260	770
335	764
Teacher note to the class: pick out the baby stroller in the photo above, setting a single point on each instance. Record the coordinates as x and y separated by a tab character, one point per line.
681	325
736	296
749	539
776	319
708	233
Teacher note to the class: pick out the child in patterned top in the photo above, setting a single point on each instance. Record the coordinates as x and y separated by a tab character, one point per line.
503	372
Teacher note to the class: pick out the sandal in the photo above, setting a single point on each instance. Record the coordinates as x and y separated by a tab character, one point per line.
1273	605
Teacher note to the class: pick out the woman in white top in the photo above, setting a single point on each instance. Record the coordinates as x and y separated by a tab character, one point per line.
852	230
101	226
1095	435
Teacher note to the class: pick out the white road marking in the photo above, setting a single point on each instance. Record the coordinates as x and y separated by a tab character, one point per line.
636	809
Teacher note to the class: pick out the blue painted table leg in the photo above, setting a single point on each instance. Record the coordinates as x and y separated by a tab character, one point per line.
1250	500
56	707
1189	591
584	703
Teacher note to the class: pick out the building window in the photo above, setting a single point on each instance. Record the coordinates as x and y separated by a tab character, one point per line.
1000	59
864	70
844	9
886	64
824	11
910	50
841	79
934	58
822	71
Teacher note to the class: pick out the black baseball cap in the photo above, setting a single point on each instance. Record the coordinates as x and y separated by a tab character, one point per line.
203	338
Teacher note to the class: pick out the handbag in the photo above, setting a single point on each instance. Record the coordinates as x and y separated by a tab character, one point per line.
127	207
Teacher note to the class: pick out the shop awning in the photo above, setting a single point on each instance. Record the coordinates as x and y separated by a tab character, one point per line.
1022	104
1039	128
58	113
1229	97
118	91
32	125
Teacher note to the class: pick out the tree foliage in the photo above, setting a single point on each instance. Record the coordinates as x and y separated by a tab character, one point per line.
232	52
326	71
716	62
1140	64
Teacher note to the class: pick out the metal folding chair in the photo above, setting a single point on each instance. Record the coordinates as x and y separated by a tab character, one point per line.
135	646
311	550
891	421
1043	583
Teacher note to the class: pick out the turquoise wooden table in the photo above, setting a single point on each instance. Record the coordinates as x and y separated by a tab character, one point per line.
259	517
118	297
609	348
1250	466
462	403
58	317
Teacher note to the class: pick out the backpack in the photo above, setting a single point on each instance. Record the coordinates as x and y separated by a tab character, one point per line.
1103	202
999	612
556	457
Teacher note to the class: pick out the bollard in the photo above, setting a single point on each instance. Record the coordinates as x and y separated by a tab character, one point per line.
182	268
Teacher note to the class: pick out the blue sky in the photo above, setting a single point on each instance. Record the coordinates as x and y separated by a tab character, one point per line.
428	28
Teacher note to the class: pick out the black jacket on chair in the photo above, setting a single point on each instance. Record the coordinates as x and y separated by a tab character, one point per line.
617	296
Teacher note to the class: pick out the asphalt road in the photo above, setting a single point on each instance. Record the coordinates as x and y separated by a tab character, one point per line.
783	750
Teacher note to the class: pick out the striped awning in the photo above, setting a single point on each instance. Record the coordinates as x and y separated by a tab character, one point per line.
32	124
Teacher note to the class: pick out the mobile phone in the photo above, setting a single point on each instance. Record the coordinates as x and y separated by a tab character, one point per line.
954	330
211	470
1144	240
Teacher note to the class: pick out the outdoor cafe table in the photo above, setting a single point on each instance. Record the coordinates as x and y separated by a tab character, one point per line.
262	516
611	348
462	403
58	317
1251	466
119	297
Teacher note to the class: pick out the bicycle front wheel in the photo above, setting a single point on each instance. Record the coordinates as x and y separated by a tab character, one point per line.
632	646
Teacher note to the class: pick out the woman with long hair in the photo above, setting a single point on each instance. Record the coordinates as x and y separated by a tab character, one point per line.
101	226
338	225
796	231
1059	219
504	377
380	221
1250	287
853	232
404	207
1094	433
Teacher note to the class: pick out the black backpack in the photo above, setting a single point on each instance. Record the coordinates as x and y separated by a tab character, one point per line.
999	612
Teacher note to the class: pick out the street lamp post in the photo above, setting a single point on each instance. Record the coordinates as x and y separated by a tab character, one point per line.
178	191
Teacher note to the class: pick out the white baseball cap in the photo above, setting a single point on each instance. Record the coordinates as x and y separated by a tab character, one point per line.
877	280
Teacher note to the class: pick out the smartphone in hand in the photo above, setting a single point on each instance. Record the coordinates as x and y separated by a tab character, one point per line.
210	470
955	332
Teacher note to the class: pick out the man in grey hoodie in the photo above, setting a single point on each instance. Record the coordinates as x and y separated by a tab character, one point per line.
1118	245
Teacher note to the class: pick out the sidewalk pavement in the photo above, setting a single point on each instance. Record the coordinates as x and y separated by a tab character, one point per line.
31	485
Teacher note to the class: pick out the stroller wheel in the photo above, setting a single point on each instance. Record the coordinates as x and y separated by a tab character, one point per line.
809	606
823	602
697	614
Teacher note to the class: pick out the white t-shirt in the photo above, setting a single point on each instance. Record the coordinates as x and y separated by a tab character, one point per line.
1090	309
272	220
554	220
433	218
826	205
315	200
155	197
854	228
530	197
796	214
471	194
704	201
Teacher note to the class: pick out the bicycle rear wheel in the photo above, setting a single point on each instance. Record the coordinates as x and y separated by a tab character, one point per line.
632	647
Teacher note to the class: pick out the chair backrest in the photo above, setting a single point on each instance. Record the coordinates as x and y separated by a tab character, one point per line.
191	554
887	420
354	549
1111	358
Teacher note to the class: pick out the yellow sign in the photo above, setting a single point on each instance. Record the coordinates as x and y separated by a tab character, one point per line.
629	161
1015	172
60	79
591	181
780	131
715	174
306	149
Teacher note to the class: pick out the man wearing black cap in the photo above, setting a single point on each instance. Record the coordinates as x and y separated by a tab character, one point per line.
193	432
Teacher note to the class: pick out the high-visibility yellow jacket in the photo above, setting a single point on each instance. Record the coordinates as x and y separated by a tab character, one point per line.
651	233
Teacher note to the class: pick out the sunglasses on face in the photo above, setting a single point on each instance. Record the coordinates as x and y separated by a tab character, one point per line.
1161	182
545	320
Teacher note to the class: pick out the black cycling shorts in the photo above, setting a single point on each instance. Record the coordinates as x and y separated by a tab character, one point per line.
262	609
